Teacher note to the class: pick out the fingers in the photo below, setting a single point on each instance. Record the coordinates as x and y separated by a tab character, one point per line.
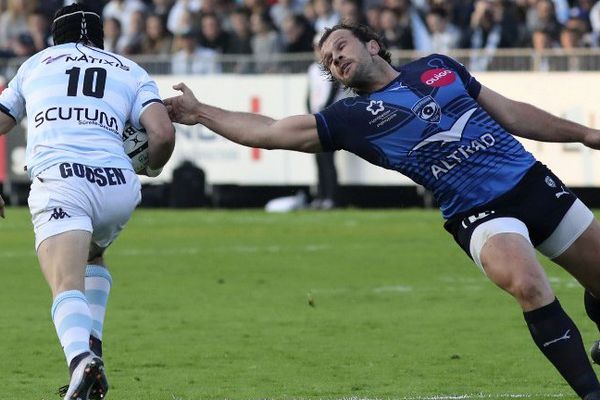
181	87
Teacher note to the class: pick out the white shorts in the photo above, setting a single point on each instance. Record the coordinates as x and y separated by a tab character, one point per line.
71	196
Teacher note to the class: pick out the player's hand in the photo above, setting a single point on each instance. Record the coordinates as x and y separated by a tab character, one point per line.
1	207
183	108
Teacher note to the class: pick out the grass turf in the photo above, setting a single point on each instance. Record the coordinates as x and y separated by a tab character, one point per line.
215	304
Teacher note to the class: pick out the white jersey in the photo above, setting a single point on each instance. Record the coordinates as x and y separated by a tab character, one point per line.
77	99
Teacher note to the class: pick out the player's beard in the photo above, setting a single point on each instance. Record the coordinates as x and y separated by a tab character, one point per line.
360	78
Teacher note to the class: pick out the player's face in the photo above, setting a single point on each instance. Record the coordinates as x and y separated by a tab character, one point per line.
348	59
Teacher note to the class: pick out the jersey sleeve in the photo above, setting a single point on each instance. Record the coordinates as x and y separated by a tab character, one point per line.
471	84
12	102
147	94
330	124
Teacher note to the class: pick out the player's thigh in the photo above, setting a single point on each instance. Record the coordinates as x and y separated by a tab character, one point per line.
62	259
582	257
501	246
113	207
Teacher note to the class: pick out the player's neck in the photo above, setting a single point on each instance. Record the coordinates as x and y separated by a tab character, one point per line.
383	74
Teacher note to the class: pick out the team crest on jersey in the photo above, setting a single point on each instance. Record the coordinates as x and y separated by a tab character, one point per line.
438	77
375	107
427	110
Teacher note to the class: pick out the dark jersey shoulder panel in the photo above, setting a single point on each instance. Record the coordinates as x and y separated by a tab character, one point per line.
427	125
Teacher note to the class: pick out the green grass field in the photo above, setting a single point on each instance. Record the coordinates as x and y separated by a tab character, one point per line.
215	305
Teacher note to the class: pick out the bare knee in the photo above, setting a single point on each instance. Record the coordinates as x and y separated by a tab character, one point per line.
530	291
509	261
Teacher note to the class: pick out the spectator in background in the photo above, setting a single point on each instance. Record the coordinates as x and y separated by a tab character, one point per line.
575	33
240	40
444	35
297	34
265	43
13	21
326	15
283	9
309	13
192	58
39	30
487	33
410	19
123	11
112	34
212	36
134	35
257	6
542	17
374	17
180	19
161	8
395	34
157	39
351	12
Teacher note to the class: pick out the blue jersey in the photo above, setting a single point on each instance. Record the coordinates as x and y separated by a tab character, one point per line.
427	125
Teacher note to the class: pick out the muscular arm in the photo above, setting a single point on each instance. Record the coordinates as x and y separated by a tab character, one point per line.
254	130
161	135
6	123
530	122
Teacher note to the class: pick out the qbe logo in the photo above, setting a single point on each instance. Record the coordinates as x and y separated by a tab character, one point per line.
438	77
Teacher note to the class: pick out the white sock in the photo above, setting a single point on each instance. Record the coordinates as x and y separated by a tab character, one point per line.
73	321
97	288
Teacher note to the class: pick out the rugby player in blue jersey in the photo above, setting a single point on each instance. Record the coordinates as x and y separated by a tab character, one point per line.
433	122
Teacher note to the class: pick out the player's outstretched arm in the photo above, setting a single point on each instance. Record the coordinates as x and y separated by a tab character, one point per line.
292	133
530	122
161	135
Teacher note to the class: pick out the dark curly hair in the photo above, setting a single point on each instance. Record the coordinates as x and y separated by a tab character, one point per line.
76	23
363	33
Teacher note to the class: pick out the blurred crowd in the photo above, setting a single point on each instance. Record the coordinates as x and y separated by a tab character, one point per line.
193	34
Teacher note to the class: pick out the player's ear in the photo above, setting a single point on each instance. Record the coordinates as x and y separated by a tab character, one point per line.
373	47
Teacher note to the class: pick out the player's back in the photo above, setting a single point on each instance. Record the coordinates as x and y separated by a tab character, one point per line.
77	99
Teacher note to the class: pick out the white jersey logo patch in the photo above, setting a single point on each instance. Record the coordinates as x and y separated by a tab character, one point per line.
454	134
375	107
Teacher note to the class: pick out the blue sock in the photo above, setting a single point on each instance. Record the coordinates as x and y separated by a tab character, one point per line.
97	289
73	322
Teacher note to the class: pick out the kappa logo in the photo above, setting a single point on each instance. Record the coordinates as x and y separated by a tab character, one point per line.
58	213
427	110
454	134
375	107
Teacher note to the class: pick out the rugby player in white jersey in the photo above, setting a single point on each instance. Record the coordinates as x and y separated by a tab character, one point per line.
78	98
